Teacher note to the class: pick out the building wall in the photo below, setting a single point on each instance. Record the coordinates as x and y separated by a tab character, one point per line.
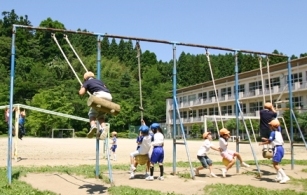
198	100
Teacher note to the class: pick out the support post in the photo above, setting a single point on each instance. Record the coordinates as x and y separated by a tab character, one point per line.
236	108
291	109
17	112
98	77
174	107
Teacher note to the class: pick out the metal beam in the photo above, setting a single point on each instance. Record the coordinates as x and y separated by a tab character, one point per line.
47	112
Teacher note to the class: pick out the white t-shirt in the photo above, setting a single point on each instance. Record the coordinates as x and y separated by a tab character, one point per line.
204	148
158	139
223	144
276	138
145	145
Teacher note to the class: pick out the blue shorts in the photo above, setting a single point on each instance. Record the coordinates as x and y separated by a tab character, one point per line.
113	148
205	161
278	153
157	155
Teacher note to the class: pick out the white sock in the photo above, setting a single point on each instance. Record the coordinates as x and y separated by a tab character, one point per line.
282	173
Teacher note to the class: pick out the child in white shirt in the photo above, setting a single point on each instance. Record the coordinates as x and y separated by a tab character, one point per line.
228	154
205	161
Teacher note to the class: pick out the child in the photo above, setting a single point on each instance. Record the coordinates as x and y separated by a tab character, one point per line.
157	155
7	117
228	154
144	148
202	154
278	151
99	89
21	124
266	115
114	144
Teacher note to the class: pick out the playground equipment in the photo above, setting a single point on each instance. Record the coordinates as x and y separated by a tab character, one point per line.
176	113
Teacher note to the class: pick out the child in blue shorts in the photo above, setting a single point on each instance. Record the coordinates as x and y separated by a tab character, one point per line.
157	155
278	150
114	144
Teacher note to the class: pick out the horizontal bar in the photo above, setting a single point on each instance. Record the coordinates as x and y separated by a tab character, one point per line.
55	30
181	143
146	39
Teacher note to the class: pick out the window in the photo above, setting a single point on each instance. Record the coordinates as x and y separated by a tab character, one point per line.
212	94
192	97
241	88
243	108
184	114
213	111
184	99
225	91
202	95
202	112
296	77
255	106
255	85
297	101
192	113
274	82
226	109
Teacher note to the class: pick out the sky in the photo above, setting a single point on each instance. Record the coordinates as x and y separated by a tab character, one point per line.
261	25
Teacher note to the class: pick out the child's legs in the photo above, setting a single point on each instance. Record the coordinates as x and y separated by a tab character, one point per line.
209	163
92	114
278	154
203	163
229	155
132	155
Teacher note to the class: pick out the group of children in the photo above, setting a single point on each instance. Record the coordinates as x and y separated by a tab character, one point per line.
275	141
21	122
149	137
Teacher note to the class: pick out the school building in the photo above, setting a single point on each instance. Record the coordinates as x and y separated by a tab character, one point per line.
196	101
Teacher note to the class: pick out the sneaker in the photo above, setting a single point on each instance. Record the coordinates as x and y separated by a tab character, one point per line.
132	168
131	175
102	134
277	179
161	178
146	175
196	172
212	175
92	131
243	164
284	180
224	171
264	150
149	178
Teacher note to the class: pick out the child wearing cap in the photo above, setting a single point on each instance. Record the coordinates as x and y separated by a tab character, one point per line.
114	144
202	156
278	151
228	154
157	155
145	145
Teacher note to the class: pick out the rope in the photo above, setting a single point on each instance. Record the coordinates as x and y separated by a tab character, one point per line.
67	40
213	81
269	77
138	48
262	80
56	41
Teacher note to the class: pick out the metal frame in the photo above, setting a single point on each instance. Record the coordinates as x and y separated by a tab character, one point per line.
99	35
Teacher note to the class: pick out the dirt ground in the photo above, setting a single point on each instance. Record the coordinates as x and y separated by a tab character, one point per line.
80	151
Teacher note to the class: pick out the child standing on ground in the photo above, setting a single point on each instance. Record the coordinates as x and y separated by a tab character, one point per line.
157	155
228	154
278	151
114	145
205	161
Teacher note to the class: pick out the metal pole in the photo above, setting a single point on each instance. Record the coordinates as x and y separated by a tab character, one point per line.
291	109
237	100
9	153
98	77
174	108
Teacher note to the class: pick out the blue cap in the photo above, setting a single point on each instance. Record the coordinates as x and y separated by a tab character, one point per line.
155	126
143	128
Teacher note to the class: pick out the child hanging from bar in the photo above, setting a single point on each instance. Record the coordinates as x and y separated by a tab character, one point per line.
228	154
278	150
21	124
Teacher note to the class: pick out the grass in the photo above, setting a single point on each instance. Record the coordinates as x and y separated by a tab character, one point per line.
88	171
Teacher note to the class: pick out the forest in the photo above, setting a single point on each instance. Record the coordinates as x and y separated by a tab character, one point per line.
43	78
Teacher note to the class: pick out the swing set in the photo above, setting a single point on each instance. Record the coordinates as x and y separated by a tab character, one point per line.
113	108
